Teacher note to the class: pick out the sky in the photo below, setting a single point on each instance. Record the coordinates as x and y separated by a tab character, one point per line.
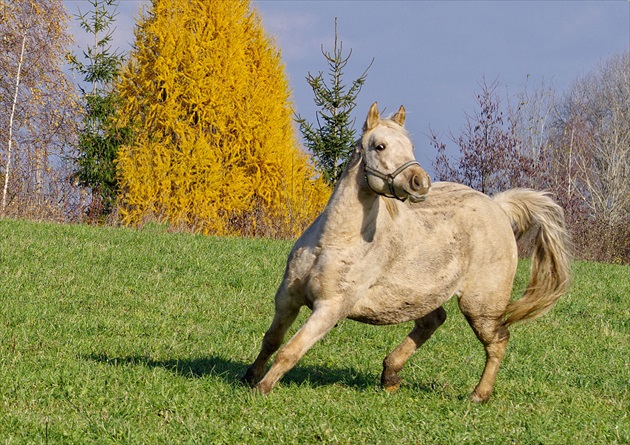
429	56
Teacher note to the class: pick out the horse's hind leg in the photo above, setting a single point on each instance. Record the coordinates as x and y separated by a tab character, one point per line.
422	330
494	336
285	314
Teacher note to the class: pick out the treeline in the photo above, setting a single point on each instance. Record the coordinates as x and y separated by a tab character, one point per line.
194	128
575	145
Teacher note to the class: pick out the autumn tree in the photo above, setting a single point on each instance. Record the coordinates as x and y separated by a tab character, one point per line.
37	121
332	140
214	149
99	140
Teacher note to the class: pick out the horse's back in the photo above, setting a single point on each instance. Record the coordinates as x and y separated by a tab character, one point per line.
486	224
458	238
446	195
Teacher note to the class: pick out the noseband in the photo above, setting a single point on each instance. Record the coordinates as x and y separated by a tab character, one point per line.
388	178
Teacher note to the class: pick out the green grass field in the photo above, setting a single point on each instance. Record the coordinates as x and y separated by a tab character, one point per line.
118	336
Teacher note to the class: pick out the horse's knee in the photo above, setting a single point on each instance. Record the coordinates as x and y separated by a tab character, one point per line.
271	342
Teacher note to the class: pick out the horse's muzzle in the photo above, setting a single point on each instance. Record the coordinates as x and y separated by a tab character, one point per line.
412	179
418	186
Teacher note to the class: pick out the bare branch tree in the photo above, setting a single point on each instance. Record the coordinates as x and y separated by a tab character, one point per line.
489	159
591	137
596	115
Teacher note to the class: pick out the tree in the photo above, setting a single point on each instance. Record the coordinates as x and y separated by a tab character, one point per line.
37	122
590	138
213	148
333	140
490	160
7	168
98	139
576	145
531	117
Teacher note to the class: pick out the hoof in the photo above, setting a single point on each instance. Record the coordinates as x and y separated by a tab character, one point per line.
261	388
390	381
249	378
479	398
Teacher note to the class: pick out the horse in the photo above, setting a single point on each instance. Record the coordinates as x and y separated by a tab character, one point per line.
391	247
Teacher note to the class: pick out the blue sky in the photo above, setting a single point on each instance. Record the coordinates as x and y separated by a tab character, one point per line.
431	55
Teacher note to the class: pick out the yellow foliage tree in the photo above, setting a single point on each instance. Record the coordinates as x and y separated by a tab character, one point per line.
214	148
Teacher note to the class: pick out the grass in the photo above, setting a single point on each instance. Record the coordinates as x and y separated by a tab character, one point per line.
117	336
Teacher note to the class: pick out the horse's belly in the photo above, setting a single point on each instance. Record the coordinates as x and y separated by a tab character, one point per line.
383	310
410	289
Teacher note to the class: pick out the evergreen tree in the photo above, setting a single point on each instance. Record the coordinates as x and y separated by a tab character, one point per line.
333	140
213	148
98	140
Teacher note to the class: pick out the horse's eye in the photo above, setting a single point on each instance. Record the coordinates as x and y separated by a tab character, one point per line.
380	147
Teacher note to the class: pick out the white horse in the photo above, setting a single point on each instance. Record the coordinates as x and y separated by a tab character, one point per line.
386	250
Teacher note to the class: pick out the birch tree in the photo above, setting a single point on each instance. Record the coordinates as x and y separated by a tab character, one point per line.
37	122
7	168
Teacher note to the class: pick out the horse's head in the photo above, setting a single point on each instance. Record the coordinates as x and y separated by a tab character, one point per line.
390	167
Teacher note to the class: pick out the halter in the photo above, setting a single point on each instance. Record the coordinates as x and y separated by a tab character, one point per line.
388	178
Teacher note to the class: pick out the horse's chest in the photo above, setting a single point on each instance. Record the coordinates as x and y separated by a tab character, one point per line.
331	275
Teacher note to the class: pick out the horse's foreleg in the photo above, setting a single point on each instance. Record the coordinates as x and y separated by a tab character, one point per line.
494	336
321	321
285	314
421	332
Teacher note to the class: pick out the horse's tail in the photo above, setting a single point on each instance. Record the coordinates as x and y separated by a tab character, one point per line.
550	274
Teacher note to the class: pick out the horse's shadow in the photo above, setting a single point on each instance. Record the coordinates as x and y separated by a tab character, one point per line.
231	371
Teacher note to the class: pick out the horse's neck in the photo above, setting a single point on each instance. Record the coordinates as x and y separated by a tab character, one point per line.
351	210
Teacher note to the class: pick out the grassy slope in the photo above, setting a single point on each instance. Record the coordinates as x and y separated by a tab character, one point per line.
123	336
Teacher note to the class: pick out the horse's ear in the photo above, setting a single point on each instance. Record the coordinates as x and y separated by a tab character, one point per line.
372	118
400	116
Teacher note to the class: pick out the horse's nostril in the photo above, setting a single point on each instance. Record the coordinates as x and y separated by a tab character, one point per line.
420	183
416	183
